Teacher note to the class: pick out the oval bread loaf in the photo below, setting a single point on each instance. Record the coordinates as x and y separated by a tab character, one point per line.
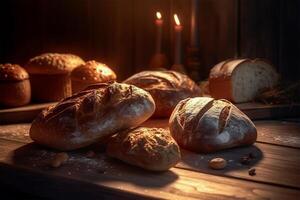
204	124
92	115
150	148
166	87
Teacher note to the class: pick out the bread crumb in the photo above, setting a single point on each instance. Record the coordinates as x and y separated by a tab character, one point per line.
252	172
59	159
218	163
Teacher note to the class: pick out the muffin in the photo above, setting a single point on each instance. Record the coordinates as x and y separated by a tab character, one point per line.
50	75
14	86
90	73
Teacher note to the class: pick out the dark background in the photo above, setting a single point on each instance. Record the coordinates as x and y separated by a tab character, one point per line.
121	33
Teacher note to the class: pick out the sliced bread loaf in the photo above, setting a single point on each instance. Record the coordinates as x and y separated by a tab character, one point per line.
241	80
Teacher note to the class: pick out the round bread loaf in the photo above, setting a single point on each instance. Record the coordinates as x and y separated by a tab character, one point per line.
149	148
91	116
14	86
203	124
50	75
90	73
166	87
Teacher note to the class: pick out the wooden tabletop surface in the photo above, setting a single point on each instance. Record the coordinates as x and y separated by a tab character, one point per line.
25	165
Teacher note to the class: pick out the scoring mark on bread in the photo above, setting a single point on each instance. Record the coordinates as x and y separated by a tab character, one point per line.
181	110
204	109
223	118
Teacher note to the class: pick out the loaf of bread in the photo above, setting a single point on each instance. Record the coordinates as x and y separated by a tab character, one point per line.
150	148
91	72
166	87
202	124
91	116
50	75
241	80
15	87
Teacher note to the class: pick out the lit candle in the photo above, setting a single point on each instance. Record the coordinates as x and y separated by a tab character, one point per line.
177	49
195	23
159	24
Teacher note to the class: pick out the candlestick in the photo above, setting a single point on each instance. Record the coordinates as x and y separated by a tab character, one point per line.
159	60
177	66
159	25
178	47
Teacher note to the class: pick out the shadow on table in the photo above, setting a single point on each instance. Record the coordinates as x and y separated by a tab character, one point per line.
98	169
234	158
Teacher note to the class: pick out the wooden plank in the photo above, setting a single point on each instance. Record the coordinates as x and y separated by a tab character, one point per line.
16	132
274	164
279	132
218	32
104	177
259	29
289	39
257	111
22	114
32	29
112	34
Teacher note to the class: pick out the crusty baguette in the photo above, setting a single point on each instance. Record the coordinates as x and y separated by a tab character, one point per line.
166	87
150	148
241	80
92	115
202	124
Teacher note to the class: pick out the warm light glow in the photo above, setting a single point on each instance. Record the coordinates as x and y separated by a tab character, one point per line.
158	15
176	20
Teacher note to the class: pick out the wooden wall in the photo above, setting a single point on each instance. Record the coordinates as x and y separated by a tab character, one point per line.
121	33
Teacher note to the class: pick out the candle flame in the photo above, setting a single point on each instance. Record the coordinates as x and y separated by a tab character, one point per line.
176	19
158	15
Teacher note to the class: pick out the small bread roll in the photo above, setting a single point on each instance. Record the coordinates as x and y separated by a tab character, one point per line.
149	148
89	73
14	86
203	124
50	75
92	116
166	87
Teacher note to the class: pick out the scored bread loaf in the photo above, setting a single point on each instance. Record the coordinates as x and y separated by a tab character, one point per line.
166	87
92	116
241	80
202	124
150	148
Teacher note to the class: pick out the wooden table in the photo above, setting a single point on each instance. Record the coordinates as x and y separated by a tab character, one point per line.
24	165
